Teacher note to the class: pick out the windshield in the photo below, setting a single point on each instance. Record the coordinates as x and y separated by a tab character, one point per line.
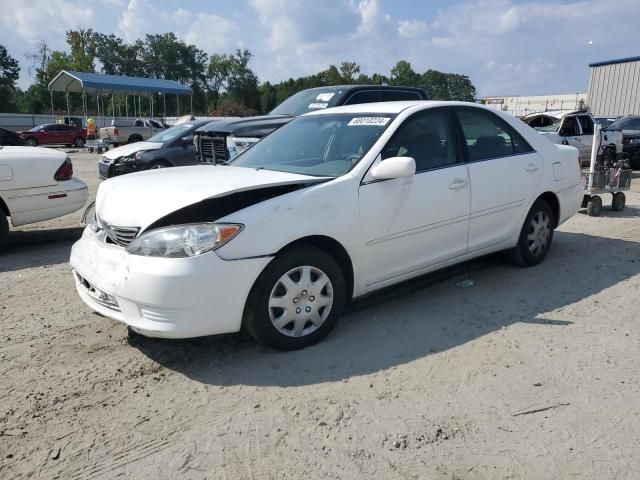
318	145
171	133
307	101
37	129
544	123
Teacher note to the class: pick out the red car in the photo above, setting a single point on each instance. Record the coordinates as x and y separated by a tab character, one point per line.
55	134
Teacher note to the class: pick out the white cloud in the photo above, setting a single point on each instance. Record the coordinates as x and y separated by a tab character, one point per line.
210	32
411	28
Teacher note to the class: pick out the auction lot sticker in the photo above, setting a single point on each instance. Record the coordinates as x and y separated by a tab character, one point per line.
369	121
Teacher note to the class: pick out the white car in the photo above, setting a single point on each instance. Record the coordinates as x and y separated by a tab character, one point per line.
574	128
331	206
36	184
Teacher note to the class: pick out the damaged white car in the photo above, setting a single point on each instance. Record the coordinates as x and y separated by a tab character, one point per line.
333	205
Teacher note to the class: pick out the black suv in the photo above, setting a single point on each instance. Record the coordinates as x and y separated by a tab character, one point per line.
222	140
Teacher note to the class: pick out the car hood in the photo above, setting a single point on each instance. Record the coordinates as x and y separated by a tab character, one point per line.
139	199
130	149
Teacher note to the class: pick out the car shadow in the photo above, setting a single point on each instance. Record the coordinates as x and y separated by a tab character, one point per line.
36	248
417	318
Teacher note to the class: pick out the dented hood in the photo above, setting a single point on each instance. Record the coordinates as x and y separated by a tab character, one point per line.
139	199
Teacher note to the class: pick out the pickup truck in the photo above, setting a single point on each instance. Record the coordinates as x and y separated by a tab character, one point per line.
222	140
120	132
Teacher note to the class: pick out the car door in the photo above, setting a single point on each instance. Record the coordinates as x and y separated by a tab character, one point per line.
48	135
504	172
586	133
571	134
415	222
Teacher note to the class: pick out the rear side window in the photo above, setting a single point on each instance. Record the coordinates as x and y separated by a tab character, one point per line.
364	96
396	96
488	136
586	123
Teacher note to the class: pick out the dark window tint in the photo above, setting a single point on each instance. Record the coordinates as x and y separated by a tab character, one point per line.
426	137
625	123
398	95
50	128
586	123
569	127
365	96
488	136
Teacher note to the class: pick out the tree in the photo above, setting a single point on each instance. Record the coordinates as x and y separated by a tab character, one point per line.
118	58
348	70
83	49
218	74
403	74
9	73
242	86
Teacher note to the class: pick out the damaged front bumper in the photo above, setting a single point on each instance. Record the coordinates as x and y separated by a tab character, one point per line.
163	297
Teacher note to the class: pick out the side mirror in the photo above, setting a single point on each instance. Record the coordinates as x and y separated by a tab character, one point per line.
394	167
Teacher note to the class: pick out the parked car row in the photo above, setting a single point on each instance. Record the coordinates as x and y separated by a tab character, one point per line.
334	204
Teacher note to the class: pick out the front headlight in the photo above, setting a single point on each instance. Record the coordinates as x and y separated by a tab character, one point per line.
184	240
138	154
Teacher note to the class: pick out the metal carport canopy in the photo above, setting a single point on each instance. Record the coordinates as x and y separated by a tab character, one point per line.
68	81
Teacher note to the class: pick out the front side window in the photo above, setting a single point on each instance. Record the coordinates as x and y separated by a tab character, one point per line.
427	138
586	123
488	136
318	145
569	127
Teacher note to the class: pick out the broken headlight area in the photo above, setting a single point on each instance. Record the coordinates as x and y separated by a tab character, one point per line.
182	241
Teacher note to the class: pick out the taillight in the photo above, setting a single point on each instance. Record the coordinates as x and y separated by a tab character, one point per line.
65	172
116	132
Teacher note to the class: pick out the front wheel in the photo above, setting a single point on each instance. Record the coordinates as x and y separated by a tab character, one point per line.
79	142
594	206
159	164
296	300
31	142
535	237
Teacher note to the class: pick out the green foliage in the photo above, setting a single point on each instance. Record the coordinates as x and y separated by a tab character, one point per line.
9	73
83	49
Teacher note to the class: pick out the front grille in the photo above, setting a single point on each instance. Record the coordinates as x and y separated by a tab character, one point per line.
98	296
213	149
122	236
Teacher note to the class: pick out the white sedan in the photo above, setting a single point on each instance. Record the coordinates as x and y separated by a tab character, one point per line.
36	184
334	205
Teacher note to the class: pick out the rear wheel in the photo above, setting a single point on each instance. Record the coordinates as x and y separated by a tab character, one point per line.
535	237
4	232
618	202
31	142
134	139
296	300
79	142
594	206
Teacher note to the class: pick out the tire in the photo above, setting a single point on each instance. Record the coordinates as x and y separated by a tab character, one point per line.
267	322
4	232
535	237
134	139
594	206
31	142
79	142
618	202
159	164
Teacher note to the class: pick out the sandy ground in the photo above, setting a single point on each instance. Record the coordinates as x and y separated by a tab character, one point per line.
530	373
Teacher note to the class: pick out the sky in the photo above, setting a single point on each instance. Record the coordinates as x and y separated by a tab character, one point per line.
506	47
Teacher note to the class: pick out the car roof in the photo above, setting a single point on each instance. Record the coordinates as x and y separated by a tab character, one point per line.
555	113
390	107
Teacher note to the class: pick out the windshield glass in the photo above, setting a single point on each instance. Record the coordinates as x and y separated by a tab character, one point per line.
171	133
37	129
318	145
307	101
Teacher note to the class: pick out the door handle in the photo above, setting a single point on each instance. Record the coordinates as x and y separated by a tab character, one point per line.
458	184
532	168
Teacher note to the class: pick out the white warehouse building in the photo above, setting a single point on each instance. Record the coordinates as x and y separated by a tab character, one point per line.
614	87
519	105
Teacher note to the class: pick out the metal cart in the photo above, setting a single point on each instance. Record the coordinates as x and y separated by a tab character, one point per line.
605	175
